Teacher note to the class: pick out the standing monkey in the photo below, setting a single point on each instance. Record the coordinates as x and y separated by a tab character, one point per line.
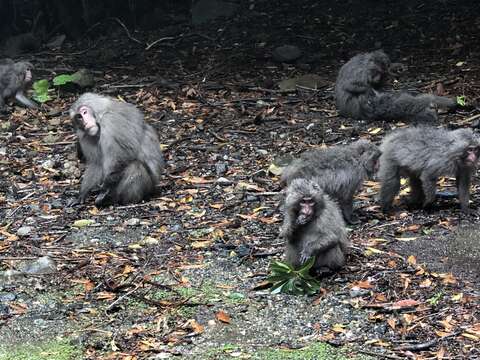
339	170
15	77
423	154
122	153
360	93
313	226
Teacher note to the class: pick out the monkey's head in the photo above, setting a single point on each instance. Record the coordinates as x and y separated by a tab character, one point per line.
378	67
87	111
305	199
470	147
368	154
24	68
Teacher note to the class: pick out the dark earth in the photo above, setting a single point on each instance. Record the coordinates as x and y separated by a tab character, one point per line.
183	275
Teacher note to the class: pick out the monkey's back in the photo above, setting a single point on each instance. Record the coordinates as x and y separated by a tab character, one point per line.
337	169
9	79
417	148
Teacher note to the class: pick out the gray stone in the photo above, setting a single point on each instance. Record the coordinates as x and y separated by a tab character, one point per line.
204	11
24	231
286	53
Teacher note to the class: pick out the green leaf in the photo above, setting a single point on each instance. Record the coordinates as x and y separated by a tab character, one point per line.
285	279
281	267
63	79
304	270
461	100
40	89
83	222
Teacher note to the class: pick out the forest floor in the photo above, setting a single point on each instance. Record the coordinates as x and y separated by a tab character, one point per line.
183	275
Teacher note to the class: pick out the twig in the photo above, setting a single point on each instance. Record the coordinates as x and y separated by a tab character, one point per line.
127	31
159	40
123	297
418	347
380	355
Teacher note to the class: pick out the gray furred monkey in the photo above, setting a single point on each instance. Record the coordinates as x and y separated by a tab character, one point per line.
122	152
340	170
313	226
423	154
15	77
360	93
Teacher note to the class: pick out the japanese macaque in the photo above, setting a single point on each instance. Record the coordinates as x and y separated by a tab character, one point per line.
15	77
339	170
423	154
313	226
122	153
360	93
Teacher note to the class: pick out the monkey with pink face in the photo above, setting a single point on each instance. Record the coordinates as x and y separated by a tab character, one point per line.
15	77
122	152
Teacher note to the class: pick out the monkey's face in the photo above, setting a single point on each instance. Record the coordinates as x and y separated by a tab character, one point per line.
470	157
85	119
306	210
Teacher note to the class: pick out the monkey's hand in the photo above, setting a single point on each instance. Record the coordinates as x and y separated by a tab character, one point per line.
74	202
103	199
304	256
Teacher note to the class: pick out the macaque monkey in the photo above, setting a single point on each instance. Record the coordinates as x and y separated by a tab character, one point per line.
15	77
122	152
313	226
360	93
339	170
423	154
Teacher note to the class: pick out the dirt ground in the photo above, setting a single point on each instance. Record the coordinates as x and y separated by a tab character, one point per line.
183	275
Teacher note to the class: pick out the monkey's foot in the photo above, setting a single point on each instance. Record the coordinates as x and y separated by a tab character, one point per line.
73	202
352	219
103	199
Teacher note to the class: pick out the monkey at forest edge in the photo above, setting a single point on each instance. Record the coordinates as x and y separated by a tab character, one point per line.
313	226
360	93
122	152
423	154
15	77
340	170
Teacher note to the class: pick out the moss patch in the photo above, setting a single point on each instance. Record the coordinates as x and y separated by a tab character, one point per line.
317	351
53	350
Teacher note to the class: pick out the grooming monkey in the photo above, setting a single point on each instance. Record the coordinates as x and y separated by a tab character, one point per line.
122	153
339	170
423	154
360	93
313	226
15	78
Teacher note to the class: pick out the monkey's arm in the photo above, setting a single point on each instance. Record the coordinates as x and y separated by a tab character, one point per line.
318	243
357	87
463	179
91	178
20	97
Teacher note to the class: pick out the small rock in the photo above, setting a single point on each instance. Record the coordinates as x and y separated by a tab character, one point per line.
43	265
83	78
132	222
222	180
4	297
48	164
220	168
356	292
262	152
286	53
24	230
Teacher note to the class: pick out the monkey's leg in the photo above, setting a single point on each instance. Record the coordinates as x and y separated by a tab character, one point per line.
463	187
390	185
91	178
417	196
429	187
20	97
347	211
135	184
333	259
